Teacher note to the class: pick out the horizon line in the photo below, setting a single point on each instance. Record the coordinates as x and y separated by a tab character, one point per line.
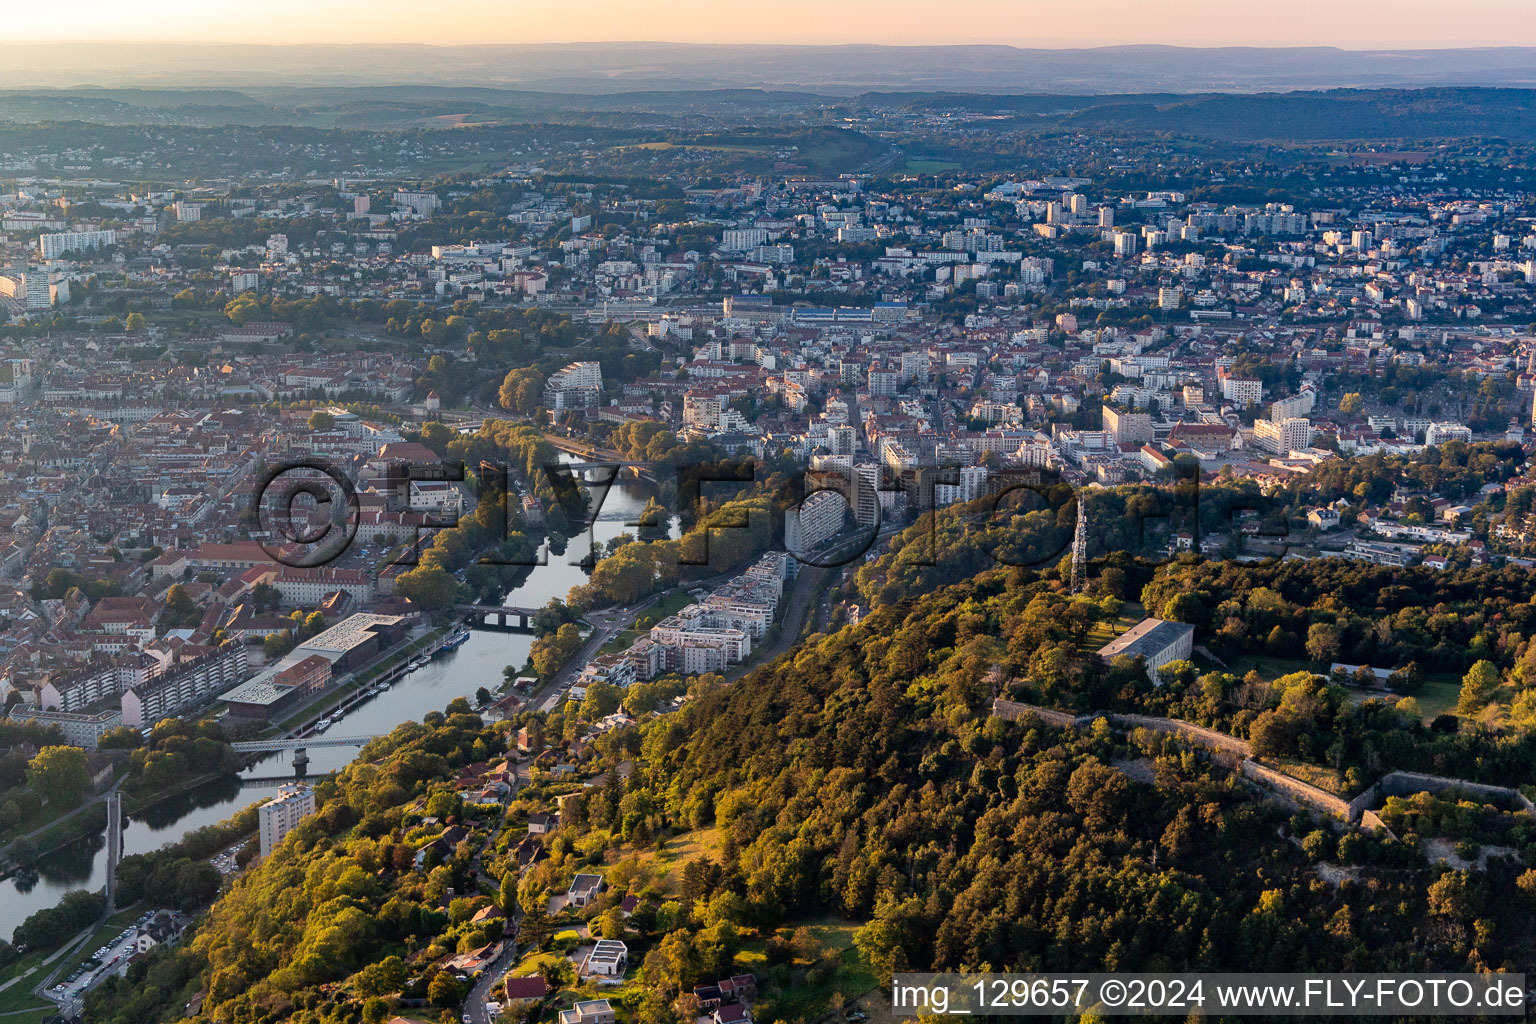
1037	45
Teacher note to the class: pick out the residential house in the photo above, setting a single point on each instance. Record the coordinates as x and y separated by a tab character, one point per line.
585	888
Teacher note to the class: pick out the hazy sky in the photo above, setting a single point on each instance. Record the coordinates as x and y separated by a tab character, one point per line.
1347	23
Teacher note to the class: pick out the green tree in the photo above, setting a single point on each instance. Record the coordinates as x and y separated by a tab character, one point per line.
59	775
430	586
507	899
382	978
320	419
611	924
1322	642
521	391
180	607
445	990
436	435
1477	687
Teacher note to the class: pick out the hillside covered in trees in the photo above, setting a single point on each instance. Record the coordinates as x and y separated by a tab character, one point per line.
864	776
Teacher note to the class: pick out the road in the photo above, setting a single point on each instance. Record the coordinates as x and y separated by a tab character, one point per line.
812	580
479	993
70	996
606	624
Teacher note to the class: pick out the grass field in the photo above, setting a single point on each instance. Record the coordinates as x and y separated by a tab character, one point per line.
1325	779
21	966
930	166
1268	667
806	1000
677	851
19	998
1438	697
1103	632
531	963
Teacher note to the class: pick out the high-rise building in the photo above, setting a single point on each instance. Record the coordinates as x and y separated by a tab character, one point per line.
867	497
282	814
56	245
576	386
1242	390
1128	427
1284	436
842	440
816	519
1301	404
742	239
32	289
420	203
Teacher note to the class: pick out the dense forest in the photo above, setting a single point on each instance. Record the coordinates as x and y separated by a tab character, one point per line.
863	776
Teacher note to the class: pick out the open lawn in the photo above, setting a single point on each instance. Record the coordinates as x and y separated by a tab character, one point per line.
531	963
1269	667
809	999
677	851
930	166
19	997
669	605
1103	632
1325	779
622	642
1438	697
20	967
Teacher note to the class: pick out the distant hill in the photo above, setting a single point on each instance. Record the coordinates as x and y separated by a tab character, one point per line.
1299	116
623	67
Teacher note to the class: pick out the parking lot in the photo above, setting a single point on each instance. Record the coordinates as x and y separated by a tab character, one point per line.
110	958
226	861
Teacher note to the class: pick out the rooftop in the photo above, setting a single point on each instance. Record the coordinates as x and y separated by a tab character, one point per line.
350	632
1147	637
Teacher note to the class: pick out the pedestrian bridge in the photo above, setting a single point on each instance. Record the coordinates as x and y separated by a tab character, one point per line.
298	743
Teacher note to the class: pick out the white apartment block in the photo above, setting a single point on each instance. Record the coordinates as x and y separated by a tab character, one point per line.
1128	427
1242	390
55	245
80	730
814	521
577	385
1283	409
420	203
1439	433
282	815
439	497
186	686
742	239
693	630
703	412
1286	436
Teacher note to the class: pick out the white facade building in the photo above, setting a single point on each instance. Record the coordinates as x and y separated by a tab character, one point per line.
281	815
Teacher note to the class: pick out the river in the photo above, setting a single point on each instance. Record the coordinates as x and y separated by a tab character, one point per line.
479	662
